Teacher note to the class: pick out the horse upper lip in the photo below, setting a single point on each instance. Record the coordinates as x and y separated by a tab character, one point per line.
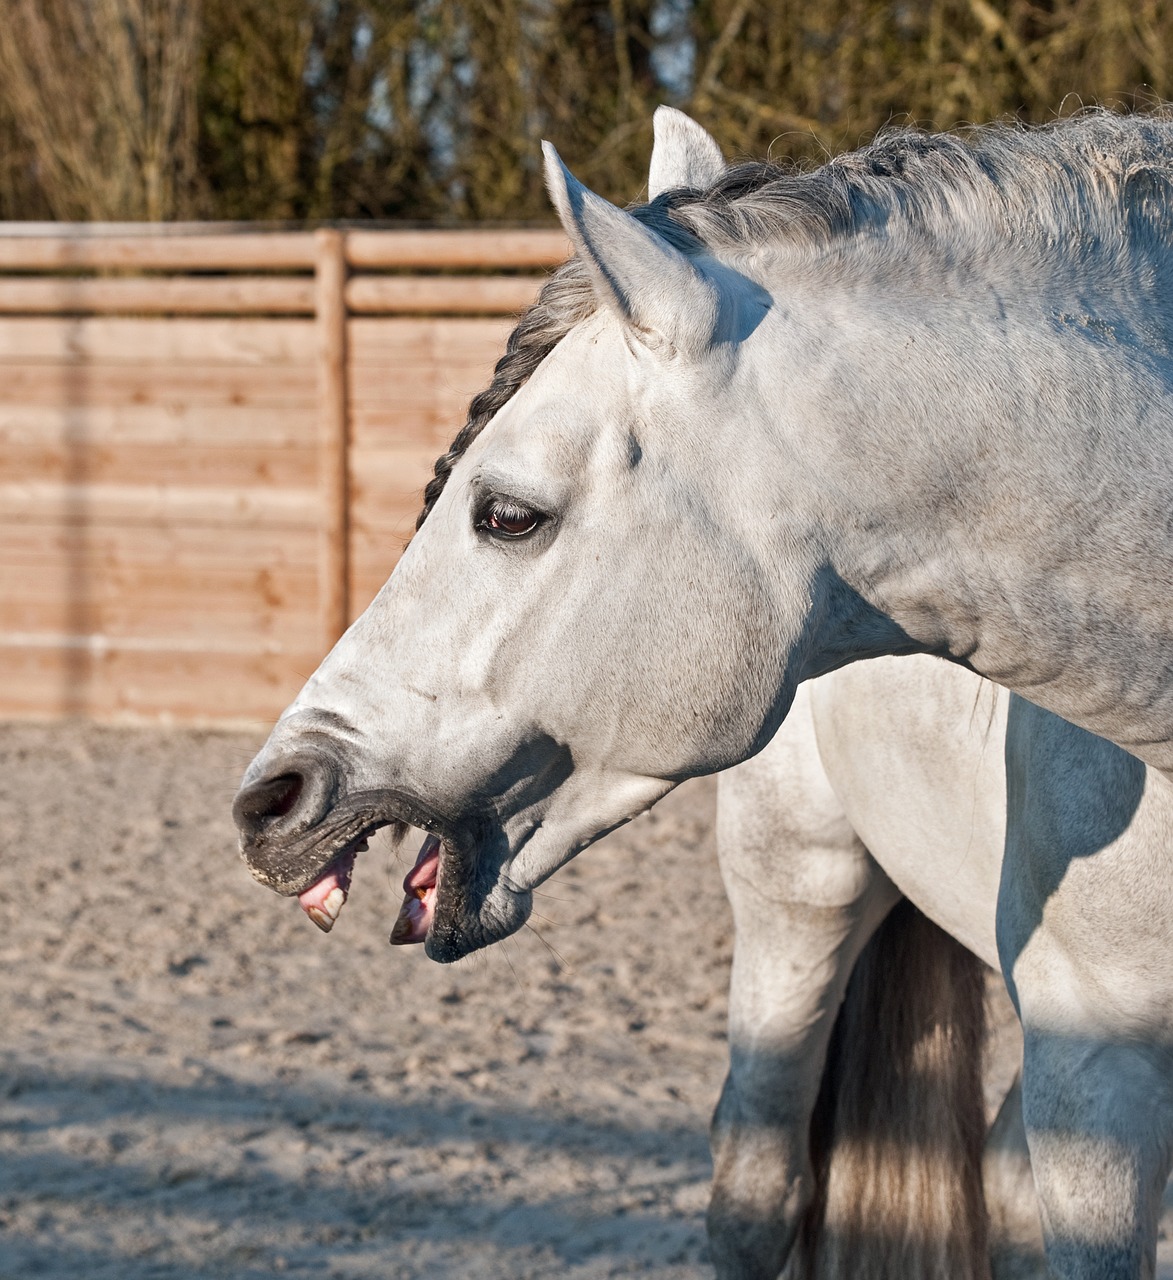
291	864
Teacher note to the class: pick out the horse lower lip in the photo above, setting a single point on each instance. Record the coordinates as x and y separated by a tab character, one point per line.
427	866
324	899
420	887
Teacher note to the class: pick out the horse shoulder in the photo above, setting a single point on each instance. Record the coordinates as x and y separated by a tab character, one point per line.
914	750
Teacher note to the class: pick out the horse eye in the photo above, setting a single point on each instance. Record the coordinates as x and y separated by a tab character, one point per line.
508	520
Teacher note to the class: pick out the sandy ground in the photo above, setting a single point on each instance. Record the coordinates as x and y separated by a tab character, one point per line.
196	1083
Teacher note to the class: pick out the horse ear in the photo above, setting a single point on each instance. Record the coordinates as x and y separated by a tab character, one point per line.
683	154
659	291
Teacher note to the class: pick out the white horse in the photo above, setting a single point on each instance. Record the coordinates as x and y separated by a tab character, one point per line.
917	401
915	778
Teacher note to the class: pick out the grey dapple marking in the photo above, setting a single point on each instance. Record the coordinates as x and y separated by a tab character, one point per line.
917	401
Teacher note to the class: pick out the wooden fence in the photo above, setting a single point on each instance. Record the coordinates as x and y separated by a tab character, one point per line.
213	444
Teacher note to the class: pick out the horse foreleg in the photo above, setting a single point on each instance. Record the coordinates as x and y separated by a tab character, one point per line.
1084	921
1016	1237
806	897
1097	1119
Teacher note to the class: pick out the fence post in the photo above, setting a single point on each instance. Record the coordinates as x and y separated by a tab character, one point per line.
333	435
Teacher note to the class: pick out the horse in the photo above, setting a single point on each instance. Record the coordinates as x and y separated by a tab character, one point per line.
913	402
1029	845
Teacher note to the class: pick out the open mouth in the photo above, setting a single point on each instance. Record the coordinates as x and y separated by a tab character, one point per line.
323	900
455	898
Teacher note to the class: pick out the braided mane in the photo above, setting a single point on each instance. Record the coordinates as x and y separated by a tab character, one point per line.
566	298
1096	187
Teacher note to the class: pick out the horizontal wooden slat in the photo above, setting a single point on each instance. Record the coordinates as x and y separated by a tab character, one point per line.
276	250
179	425
460	368
139	230
453	295
227	295
179	249
160	505
207	609
116	682
370	340
99	643
80	386
481	249
178	340
182	546
383	532
225	617
77	459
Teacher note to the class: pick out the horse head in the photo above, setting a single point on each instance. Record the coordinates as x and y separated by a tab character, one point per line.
592	610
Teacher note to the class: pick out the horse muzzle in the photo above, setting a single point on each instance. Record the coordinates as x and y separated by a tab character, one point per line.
302	822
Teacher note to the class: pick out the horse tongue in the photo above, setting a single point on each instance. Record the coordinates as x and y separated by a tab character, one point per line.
419	886
326	897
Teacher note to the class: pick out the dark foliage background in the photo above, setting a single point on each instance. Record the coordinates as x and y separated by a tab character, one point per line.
432	109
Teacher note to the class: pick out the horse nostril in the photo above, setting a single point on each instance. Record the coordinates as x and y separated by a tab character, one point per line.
262	802
294	793
283	794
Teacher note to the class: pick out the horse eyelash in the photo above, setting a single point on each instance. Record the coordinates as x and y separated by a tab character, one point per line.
500	506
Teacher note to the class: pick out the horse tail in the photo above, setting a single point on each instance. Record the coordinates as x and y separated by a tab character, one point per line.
897	1134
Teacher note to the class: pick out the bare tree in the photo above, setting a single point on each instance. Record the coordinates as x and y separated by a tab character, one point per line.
811	78
431	109
104	93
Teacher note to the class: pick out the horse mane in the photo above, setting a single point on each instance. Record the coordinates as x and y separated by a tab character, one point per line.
1094	187
566	298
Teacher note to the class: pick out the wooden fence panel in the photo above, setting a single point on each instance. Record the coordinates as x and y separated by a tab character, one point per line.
203	476
136	460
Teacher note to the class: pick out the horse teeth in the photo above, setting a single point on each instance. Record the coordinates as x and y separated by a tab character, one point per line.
333	903
320	918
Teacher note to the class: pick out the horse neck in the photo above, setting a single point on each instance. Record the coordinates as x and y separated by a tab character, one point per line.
1010	509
